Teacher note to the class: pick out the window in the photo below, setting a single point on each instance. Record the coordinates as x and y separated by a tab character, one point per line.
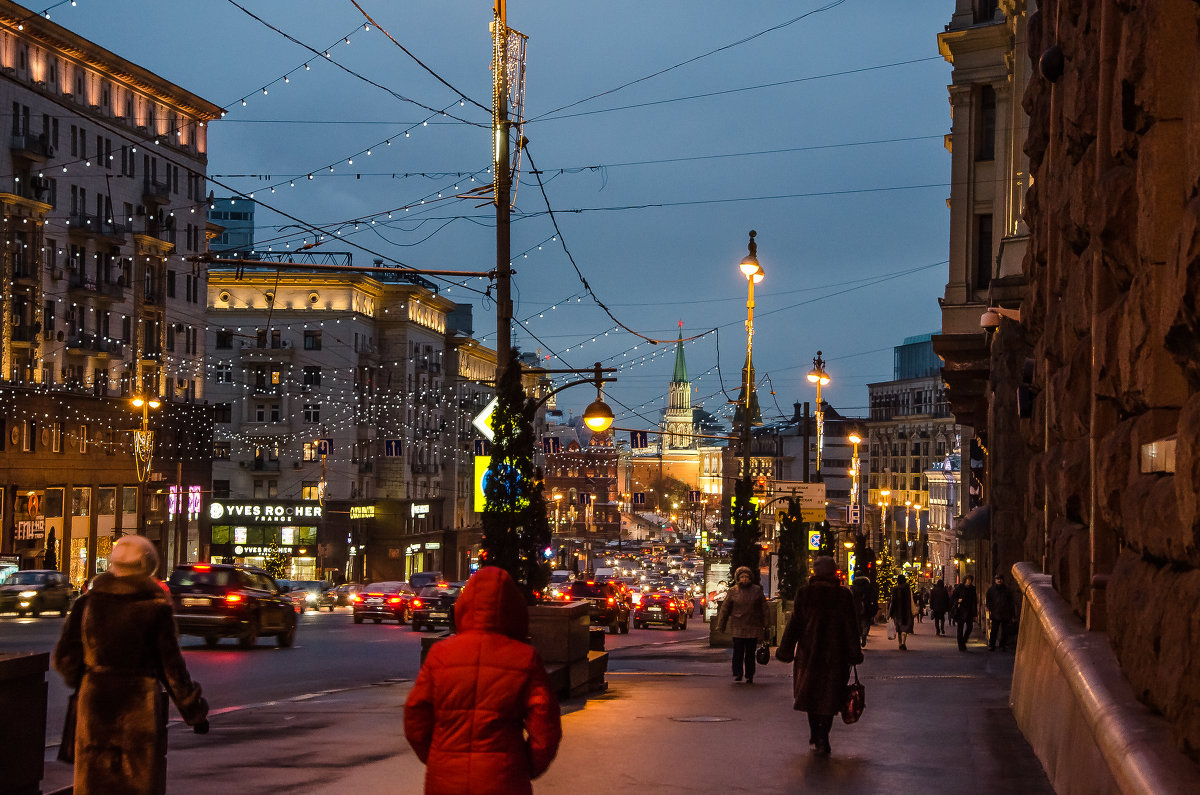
170	284
312	412
312	376
260	412
983	250
312	340
310	451
259	490
310	490
222	412
985	139
272	488
223	373
224	339
220	453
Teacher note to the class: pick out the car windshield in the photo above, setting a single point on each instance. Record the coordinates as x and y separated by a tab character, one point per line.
210	577
587	589
560	576
26	578
384	587
657	598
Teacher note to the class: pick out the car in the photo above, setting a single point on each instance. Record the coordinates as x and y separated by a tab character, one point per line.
309	594
36	591
434	605
226	600
422	578
344	593
381	600
660	607
609	607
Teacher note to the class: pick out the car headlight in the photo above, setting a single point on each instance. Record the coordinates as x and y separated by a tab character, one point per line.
310	597
28	594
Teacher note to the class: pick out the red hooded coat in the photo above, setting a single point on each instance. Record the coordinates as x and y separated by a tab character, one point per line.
481	715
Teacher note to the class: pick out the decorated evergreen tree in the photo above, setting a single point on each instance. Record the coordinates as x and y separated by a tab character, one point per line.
791	553
516	530
744	518
276	562
885	569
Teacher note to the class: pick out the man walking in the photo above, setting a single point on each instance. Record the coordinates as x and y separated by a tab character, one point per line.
866	603
1000	612
965	605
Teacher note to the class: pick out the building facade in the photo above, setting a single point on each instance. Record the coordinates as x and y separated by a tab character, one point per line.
103	206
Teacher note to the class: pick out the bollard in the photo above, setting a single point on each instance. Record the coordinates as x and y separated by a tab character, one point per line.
22	741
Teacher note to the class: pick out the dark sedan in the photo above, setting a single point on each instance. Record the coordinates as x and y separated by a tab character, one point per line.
660	607
36	591
434	606
380	600
216	600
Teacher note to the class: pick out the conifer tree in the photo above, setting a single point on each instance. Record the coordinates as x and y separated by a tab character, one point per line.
275	563
791	557
885	572
516	530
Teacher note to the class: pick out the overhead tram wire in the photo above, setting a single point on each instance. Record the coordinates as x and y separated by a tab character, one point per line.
693	59
348	70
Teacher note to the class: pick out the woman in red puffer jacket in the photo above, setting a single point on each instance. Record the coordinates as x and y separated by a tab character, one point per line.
481	715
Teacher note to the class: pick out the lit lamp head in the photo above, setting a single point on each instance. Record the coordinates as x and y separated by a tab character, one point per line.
818	377
855	438
598	416
749	266
152	402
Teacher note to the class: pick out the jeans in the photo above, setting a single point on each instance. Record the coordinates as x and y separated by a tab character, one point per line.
965	625
743	656
999	636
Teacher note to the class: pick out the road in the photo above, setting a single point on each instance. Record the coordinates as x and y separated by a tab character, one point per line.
331	652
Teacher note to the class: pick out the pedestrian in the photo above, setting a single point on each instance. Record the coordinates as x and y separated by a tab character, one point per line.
919	601
866	603
939	605
822	641
964	604
744	612
481	715
119	651
901	609
1000	609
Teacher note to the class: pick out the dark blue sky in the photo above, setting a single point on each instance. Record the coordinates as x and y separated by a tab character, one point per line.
823	131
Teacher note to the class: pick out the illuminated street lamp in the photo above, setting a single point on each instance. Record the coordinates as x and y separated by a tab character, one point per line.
885	509
818	376
745	551
143	453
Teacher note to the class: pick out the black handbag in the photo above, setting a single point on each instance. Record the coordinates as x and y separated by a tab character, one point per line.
762	654
856	700
66	747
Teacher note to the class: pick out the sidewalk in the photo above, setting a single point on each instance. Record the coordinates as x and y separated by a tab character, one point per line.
672	721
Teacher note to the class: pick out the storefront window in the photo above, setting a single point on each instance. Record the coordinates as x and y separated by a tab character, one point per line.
287	536
81	502
239	535
108	501
222	534
129	500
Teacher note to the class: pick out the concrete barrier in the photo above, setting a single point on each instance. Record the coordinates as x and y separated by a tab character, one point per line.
23	730
1077	710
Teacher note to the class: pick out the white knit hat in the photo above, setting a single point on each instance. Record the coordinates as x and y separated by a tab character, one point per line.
133	556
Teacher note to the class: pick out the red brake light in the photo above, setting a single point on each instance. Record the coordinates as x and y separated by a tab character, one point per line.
670	605
415	602
233	598
357	598
201	567
394	600
611	600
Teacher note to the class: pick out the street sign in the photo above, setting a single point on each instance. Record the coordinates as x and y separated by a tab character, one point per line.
812	514
324	446
482	462
639	498
637	440
855	514
810	495
814	541
483	420
694	496
391	448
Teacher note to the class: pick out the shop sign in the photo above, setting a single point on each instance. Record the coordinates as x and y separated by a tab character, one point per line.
263	512
242	550
420	509
362	511
433	544
31	529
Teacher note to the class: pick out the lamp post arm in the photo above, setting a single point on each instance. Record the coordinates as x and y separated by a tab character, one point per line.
597	381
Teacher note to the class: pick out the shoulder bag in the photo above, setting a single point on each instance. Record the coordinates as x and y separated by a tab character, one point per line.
856	700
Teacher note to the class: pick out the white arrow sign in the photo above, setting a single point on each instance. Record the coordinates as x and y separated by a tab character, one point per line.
483	420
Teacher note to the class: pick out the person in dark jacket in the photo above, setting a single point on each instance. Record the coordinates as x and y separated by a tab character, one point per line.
964	603
744	611
939	605
118	650
1001	613
481	715
822	641
901	609
866	603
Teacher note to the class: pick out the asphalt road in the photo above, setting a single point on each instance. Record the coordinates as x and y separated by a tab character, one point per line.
331	652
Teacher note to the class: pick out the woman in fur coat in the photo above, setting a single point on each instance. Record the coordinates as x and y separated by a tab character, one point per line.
119	651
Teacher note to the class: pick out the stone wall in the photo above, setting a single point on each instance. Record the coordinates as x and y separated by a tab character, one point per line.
1113	308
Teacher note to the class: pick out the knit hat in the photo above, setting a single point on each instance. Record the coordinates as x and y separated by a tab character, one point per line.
741	570
824	567
133	556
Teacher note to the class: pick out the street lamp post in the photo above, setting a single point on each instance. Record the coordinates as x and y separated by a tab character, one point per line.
744	538
885	509
143	454
818	376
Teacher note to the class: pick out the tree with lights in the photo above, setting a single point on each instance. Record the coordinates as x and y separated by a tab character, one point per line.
885	571
746	533
791	550
275	563
516	528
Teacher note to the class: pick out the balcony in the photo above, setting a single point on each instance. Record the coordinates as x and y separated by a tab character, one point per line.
283	352
25	271
94	345
267	390
366	466
265	430
98	226
26	332
88	285
36	148
164	230
154	192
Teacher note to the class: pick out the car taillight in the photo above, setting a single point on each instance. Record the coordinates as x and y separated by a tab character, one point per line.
415	602
233	598
671	606
201	567
356	598
611	600
394	600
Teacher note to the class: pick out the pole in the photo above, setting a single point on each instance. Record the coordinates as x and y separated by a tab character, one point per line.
501	180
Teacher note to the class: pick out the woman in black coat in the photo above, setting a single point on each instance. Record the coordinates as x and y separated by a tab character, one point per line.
939	605
901	609
822	638
119	650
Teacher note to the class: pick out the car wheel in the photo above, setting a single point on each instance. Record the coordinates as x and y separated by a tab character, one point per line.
20	614
211	641
36	608
285	639
358	619
331	608
249	638
625	627
614	628
416	625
